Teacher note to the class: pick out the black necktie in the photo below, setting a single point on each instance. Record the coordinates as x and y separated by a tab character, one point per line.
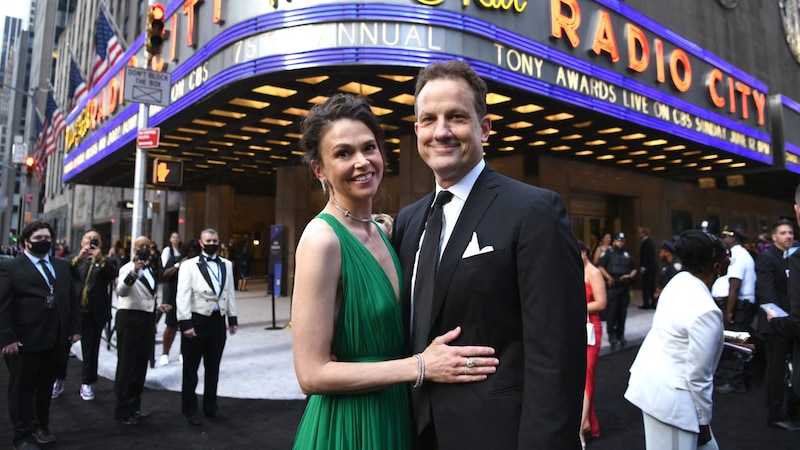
427	264
50	278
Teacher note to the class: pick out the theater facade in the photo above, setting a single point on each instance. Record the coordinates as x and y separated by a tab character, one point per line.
635	113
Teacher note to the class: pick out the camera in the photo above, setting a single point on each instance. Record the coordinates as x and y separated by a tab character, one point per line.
143	254
94	242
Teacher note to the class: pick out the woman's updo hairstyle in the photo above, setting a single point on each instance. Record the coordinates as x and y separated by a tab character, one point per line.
699	250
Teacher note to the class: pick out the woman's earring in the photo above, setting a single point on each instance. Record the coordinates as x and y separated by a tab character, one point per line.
324	186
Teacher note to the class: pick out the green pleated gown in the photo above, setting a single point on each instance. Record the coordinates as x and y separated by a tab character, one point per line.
369	328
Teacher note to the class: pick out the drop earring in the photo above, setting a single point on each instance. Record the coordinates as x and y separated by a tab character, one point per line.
324	186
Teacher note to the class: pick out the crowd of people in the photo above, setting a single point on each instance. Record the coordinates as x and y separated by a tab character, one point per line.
436	329
47	303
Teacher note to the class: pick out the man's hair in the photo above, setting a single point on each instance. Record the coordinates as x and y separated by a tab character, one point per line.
781	222
34	227
208	231
699	250
454	70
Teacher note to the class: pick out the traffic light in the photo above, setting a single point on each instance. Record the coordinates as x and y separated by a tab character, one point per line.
30	162
155	29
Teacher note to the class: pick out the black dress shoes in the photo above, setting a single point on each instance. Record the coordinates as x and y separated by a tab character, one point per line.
141	414
132	420
787	425
216	416
26	445
193	420
43	436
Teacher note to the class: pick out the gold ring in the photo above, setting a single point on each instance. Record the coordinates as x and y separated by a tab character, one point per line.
470	363
465	370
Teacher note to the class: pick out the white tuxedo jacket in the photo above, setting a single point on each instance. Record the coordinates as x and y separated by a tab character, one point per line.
196	291
672	377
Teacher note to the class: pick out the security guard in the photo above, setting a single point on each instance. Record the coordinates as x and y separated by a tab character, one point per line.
670	266
618	269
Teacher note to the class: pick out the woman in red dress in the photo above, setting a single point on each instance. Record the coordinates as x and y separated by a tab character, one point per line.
595	302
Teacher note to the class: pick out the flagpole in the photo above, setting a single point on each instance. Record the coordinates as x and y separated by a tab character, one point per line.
77	66
111	21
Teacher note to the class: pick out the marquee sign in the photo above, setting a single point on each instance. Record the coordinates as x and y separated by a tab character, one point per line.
601	55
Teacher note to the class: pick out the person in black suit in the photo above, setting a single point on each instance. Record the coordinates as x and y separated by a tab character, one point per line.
789	326
510	274
38	309
93	275
771	287
648	268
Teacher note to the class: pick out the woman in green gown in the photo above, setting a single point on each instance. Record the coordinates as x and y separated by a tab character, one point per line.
347	329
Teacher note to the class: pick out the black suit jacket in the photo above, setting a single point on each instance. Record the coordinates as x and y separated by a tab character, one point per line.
790	326
24	316
526	298
100	285
771	284
647	256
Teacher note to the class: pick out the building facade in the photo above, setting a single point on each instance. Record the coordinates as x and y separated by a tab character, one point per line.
662	114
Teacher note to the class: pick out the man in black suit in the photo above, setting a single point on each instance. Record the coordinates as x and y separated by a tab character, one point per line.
648	268
789	326
510	275
38	309
93	276
771	287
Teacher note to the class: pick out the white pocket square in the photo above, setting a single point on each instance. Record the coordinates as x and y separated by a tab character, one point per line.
475	249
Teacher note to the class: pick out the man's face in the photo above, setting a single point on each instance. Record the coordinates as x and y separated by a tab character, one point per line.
87	238
450	135
209	239
783	237
619	244
728	240
42	234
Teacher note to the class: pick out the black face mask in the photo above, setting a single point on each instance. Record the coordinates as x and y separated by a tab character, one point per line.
41	247
210	249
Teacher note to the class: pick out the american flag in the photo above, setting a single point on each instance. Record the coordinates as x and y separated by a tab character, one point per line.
54	125
107	49
77	87
38	150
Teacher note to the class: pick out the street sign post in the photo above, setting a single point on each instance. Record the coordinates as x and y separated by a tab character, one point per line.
148	137
147	86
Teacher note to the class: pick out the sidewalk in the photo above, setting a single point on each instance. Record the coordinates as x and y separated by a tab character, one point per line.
257	362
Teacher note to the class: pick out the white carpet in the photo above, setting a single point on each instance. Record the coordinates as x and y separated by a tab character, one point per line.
256	363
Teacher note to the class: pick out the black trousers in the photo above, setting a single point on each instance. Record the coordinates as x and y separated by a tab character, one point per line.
135	341
30	380
617	310
91	335
208	346
780	397
648	288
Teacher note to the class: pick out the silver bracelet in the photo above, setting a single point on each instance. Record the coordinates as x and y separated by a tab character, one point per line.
420	370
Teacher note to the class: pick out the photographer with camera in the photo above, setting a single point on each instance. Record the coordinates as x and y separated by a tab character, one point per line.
92	276
136	303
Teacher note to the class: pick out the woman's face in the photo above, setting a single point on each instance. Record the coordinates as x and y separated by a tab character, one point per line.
352	163
607	239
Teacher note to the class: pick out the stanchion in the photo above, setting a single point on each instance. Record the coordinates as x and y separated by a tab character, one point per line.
271	285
